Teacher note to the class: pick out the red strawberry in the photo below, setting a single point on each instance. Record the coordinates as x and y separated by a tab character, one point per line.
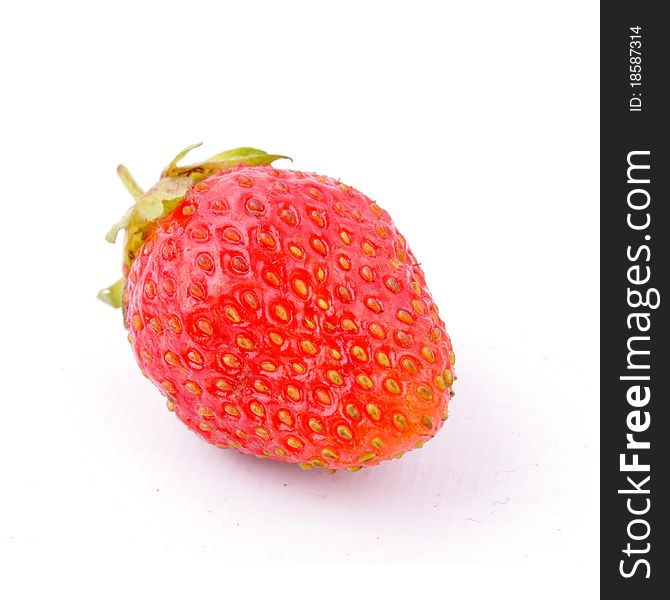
282	314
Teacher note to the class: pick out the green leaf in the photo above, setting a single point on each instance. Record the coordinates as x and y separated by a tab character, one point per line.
112	295
250	156
223	160
130	183
150	206
236	154
181	155
119	225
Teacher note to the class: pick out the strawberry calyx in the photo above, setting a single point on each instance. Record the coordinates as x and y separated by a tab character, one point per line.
163	197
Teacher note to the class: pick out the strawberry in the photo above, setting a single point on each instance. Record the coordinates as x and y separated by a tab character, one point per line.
281	313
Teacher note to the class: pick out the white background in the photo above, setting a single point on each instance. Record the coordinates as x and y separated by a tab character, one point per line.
475	125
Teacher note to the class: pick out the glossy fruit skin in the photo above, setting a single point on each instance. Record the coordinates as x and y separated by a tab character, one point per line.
282	314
